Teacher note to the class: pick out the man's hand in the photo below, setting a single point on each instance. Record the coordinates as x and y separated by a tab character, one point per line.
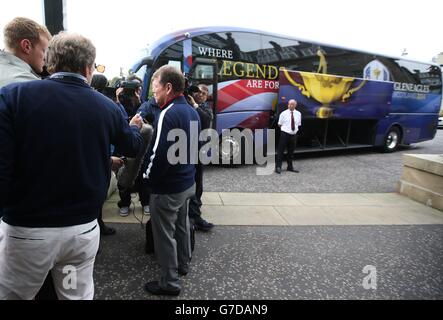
137	97
192	102
117	93
137	120
116	163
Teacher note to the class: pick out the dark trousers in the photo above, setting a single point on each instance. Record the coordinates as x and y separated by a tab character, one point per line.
287	141
100	221
195	202
47	291
140	187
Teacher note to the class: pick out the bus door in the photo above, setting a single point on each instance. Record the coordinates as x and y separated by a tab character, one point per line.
204	71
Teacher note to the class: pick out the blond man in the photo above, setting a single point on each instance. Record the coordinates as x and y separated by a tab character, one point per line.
26	42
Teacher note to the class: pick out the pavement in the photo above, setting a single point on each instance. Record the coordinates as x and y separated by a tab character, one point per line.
288	246
298	209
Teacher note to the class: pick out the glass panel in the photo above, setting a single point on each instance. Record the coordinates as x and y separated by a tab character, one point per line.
175	63
237	46
203	71
173	52
141	72
418	73
278	51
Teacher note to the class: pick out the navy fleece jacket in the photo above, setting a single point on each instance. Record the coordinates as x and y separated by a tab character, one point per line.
164	177
54	156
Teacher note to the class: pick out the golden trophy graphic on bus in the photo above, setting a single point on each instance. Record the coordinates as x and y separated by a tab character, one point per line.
324	88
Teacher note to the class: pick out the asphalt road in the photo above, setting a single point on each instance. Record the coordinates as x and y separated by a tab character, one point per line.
305	262
364	170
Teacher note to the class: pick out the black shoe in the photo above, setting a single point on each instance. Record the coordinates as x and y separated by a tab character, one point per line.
183	271
278	170
203	225
106	231
154	288
293	170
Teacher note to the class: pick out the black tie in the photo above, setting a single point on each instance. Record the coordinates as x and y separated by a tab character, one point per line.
292	121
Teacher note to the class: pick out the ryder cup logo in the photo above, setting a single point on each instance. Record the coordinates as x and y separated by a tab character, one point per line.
375	70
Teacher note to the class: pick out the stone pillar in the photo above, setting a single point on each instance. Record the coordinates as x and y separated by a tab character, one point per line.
422	179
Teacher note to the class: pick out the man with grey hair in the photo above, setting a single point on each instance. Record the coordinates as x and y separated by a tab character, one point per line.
26	42
172	184
55	171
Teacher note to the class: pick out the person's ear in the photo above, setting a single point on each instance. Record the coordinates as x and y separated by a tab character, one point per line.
88	72
169	88
26	46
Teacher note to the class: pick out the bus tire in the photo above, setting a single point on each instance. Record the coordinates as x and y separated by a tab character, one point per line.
392	140
230	149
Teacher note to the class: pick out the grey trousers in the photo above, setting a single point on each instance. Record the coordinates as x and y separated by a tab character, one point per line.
170	228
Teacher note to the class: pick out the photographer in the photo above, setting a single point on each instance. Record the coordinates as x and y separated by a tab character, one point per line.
197	96
128	94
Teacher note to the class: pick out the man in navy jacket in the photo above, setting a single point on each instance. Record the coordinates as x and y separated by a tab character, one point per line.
172	184
55	171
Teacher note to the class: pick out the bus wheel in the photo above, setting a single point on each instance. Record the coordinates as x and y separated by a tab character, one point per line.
392	140
230	149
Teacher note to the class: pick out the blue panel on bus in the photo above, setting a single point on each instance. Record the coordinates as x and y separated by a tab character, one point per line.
413	128
328	96
415	102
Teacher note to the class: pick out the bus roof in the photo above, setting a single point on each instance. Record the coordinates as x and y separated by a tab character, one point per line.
157	47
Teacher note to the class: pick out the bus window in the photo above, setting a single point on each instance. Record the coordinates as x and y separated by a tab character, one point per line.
141	72
175	64
173	52
276	50
244	46
203	71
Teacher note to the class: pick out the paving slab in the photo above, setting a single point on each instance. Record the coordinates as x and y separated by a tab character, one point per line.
258	199
212	198
391	200
305	216
243	215
333	199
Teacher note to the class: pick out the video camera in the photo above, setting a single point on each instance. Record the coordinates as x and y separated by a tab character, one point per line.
128	97
129	87
189	89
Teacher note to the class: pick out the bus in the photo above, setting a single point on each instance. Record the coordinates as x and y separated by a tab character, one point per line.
348	98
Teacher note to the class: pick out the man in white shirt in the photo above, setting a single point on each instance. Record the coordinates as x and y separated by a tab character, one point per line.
26	42
289	121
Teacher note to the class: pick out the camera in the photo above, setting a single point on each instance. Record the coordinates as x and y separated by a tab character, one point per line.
129	87
127	97
189	89
110	93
